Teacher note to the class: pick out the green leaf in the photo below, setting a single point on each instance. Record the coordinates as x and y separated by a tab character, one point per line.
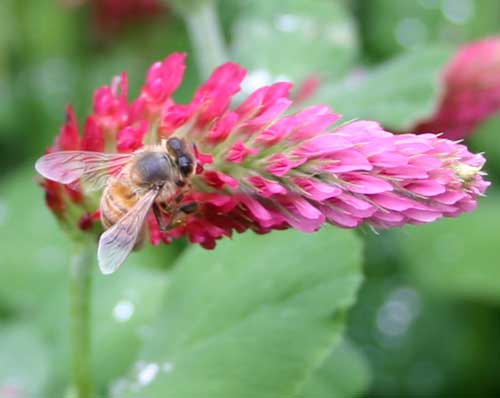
23	361
271	36
397	93
457	257
391	26
123	307
252	318
485	139
34	285
186	6
34	250
344	373
123	310
422	345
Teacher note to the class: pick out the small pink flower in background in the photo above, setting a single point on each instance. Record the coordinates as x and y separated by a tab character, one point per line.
261	168
111	16
471	90
9	390
306	89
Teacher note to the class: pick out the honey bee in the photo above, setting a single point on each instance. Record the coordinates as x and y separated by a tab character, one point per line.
155	177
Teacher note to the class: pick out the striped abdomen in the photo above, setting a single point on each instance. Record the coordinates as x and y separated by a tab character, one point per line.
117	199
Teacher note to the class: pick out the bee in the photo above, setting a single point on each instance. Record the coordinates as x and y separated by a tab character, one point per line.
155	177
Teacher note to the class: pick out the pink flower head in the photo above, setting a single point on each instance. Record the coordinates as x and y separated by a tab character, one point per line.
261	168
471	90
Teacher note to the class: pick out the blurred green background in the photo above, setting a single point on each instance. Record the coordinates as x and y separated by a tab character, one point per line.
175	321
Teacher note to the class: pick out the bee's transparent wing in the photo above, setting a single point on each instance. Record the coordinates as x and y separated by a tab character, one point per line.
117	242
92	168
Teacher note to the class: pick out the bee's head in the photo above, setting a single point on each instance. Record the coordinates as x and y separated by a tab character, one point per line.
152	168
184	158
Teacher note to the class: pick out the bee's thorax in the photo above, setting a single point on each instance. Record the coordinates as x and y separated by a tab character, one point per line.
151	168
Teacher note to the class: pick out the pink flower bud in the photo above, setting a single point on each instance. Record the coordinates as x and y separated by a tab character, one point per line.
162	80
69	136
111	16
131	137
471	90
93	137
110	105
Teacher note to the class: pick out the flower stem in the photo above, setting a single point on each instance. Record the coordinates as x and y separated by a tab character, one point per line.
206	36
81	271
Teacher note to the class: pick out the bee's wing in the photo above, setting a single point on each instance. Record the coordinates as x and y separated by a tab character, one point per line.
93	168
117	242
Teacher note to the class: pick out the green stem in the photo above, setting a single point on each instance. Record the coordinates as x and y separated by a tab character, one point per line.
81	271
206	36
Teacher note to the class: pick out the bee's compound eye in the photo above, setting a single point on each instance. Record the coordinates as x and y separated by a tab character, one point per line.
185	165
175	144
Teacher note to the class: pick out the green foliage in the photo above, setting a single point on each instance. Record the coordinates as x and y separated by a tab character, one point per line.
186	6
457	256
485	139
23	361
420	345
396	93
392	26
253	318
344	373
38	277
314	32
34	254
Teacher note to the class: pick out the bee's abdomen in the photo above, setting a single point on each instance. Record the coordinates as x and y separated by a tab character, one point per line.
116	201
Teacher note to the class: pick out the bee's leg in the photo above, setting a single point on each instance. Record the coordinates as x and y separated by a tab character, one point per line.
159	217
179	198
180	214
163	207
189	208
178	218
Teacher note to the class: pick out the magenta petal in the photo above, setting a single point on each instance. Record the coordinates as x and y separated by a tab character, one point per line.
388	159
312	121
405	172
392	201
355	202
131	137
322	145
346	160
422	215
426	188
341	218
261	99
366	184
426	162
449	197
317	190
389	217
239	152
270	114
267	188
257	210
279	164
306	209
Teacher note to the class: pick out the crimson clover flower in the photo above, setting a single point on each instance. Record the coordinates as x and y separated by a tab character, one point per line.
471	90
262	169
